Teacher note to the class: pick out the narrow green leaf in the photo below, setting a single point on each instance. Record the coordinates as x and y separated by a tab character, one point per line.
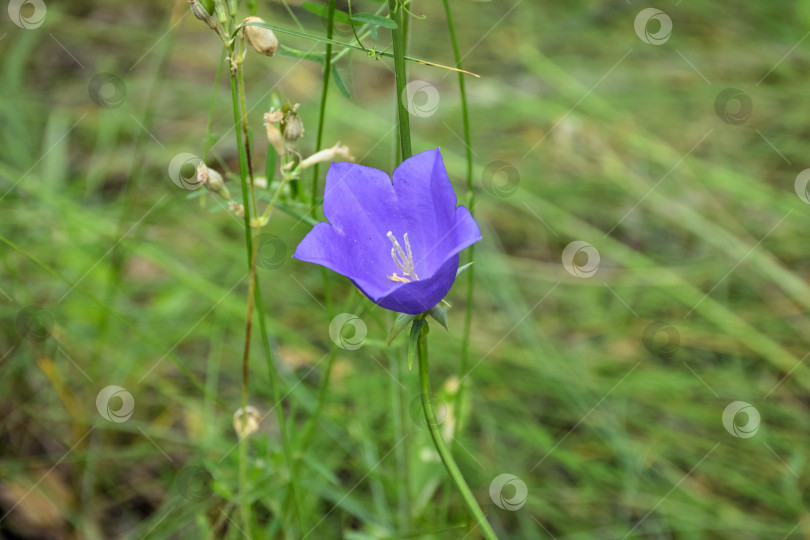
305	55
321	39
376	20
462	268
323	11
401	322
440	315
339	83
412	340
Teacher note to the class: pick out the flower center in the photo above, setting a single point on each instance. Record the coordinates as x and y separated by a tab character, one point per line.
403	259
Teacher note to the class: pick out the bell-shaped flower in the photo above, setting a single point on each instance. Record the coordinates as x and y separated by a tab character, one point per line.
398	242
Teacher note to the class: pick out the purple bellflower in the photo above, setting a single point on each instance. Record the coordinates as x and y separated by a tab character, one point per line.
398	243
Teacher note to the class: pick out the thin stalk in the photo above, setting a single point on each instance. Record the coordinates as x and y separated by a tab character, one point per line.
435	433
238	95
375	53
403	121
403	484
465	119
246	140
279	406
327	68
244	507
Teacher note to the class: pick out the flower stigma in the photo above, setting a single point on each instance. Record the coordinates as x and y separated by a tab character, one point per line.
403	259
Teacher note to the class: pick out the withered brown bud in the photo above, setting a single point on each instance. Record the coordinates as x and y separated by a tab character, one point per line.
263	40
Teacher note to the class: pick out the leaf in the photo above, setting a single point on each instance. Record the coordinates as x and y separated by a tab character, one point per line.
440	315
413	340
306	55
401	322
321	39
376	20
322	11
339	83
462	268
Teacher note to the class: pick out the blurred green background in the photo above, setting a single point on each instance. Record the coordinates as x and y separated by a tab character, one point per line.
598	376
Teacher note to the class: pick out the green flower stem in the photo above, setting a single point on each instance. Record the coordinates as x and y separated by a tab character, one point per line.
244	506
438	441
327	67
465	118
403	121
255	301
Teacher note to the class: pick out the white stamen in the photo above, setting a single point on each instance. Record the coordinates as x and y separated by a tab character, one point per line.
402	258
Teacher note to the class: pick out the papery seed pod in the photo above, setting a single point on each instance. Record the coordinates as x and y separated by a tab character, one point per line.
292	127
199	11
275	116
236	208
212	181
273	134
263	40
246	421
329	154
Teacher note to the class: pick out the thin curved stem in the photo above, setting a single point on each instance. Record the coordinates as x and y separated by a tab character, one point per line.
327	69
465	119
435	433
403	120
243	176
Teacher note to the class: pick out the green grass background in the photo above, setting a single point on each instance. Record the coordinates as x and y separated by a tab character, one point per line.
146	286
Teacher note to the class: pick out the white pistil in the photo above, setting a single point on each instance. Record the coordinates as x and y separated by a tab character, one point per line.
403	259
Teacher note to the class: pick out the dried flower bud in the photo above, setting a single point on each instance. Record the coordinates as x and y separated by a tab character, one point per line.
273	134
292	126
201	13
246	421
261	39
212	181
236	208
328	154
273	116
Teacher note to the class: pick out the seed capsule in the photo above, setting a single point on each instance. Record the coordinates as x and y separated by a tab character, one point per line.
261	39
212	181
328	154
292	127
203	14
273	134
